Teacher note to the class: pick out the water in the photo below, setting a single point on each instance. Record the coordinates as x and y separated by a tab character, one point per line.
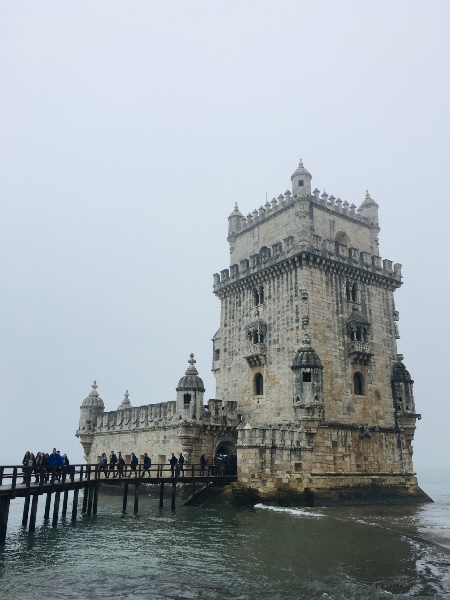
247	553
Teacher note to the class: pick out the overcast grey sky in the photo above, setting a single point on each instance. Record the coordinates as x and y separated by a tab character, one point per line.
129	130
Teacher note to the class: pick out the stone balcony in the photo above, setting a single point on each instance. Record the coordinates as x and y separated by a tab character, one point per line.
360	352
255	354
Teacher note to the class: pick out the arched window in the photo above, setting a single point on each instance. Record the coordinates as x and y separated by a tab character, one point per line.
261	294
354	293
255	297
187	399
259	384
358	384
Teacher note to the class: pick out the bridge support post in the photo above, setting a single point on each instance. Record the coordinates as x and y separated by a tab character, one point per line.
47	506
136	497
34	504
94	509
85	499
90	499
56	509
26	508
64	506
75	504
161	495
174	491
4	513
125	498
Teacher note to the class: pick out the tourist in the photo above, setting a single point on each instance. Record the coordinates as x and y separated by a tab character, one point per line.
112	462
173	461
54	462
181	464
66	469
38	465
202	465
210	463
133	464
121	464
219	465
103	462
25	460
147	464
45	459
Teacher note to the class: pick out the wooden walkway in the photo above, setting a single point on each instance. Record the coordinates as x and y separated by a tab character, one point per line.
17	482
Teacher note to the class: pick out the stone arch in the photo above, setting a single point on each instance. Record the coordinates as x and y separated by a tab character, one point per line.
225	447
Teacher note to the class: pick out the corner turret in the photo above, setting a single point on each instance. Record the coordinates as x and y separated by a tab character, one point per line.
234	226
369	210
90	409
301	181
190	391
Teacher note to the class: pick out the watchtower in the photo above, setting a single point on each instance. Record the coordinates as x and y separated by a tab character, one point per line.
307	346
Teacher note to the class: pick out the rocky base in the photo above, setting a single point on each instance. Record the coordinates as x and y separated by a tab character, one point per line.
342	496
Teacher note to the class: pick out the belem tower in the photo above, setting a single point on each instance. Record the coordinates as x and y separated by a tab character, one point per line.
310	391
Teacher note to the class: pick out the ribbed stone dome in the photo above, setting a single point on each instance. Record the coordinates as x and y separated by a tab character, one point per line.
306	356
93	399
191	380
300	170
125	402
401	374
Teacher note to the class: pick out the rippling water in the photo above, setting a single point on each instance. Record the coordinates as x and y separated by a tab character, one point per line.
247	553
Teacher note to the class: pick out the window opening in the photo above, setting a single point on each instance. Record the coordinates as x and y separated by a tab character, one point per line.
306	376
261	295
216	354
187	399
300	182
259	384
256	297
358	384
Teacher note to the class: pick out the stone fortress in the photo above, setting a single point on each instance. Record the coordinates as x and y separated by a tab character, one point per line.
311	393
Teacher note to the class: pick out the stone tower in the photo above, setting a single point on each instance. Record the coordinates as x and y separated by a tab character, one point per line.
307	349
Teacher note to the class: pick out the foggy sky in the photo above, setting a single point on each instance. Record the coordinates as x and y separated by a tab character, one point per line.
128	131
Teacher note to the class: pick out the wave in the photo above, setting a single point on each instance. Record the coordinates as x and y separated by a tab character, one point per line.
298	512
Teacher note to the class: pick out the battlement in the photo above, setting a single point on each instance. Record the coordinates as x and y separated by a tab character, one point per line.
293	246
283	202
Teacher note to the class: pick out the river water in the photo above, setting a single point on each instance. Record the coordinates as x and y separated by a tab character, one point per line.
238	553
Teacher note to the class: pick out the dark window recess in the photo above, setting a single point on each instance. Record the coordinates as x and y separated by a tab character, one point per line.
306	376
261	338
255	337
187	399
256	297
259	384
261	295
354	293
216	354
358	384
300	182
298	467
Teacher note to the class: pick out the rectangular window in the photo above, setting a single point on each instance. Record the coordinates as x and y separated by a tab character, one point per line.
300	182
306	376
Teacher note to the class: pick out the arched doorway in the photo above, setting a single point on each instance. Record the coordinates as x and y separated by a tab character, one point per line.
225	455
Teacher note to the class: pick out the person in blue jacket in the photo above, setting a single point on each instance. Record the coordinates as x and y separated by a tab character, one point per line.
147	464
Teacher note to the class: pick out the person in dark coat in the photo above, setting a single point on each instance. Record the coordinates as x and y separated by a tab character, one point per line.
121	464
173	461
147	464
25	460
103	462
181	463
113	462
134	463
202	465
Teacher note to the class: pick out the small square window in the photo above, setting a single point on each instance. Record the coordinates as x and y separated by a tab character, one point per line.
306	376
300	182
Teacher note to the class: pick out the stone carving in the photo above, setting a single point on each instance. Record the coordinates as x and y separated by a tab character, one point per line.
276	249
233	271
243	266
366	258
224	275
254	261
265	254
288	244
364	431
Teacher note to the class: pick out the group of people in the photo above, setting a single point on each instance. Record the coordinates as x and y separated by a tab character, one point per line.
52	463
114	465
221	464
